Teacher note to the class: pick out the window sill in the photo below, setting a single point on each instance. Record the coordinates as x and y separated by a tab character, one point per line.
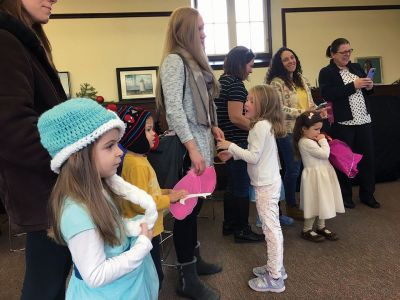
262	60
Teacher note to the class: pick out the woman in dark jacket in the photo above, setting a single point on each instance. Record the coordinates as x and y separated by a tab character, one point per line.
345	85
29	85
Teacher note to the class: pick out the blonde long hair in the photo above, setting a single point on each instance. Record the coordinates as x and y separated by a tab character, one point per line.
80	181
182	33
268	107
17	10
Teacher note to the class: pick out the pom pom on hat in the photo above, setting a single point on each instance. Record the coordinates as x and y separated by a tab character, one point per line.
73	125
134	138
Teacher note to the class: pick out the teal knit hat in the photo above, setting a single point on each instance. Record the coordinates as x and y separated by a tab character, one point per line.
73	125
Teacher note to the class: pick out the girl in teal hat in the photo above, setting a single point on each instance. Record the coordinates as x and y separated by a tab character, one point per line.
110	254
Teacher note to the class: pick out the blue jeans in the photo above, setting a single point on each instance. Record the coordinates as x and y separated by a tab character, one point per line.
292	167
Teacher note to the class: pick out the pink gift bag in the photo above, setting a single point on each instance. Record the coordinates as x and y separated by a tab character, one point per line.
342	158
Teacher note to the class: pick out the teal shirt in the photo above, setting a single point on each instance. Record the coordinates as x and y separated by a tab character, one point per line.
141	283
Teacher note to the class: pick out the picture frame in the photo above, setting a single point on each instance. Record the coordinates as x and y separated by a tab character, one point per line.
137	83
65	82
367	62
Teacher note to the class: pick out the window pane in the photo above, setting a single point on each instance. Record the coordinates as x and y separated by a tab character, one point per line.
220	11
243	34
213	11
256	10
221	41
242	10
203	7
210	39
257	36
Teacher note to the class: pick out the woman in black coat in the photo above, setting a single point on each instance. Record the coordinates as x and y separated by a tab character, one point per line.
345	85
29	85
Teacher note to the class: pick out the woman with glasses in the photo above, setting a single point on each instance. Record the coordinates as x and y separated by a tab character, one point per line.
345	85
230	107
285	75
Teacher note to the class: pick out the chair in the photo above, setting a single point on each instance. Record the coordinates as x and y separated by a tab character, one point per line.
166	235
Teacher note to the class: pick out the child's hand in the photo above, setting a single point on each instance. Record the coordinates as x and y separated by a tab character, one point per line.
165	191
224	155
145	231
323	112
223	144
320	137
175	196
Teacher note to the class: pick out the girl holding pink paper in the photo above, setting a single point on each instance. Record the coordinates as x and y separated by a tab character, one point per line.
320	194
138	139
264	110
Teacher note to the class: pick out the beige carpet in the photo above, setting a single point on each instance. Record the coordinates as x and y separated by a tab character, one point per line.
363	264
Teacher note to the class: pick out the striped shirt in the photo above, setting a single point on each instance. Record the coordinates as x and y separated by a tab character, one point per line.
232	89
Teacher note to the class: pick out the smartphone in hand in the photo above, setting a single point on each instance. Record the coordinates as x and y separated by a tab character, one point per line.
371	73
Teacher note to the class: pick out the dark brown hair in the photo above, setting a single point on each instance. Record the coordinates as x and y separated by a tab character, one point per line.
334	47
236	61
277	69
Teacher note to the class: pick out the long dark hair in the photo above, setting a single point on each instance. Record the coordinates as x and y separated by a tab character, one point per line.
334	47
278	70
306	119
236	61
17	10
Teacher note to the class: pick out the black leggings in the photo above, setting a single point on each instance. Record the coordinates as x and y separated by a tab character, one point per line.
47	266
155	255
185	235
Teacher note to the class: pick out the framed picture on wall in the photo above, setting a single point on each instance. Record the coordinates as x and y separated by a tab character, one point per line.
369	62
64	78
137	83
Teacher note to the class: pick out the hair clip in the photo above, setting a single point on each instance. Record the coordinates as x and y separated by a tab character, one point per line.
310	115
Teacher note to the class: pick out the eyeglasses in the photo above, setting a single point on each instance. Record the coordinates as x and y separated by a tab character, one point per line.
346	52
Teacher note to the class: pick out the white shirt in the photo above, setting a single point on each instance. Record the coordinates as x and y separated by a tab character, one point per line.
261	155
87	251
356	100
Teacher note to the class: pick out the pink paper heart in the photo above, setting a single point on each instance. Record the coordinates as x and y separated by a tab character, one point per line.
193	184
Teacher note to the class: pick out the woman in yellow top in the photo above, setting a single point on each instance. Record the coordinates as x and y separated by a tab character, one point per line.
285	75
138	139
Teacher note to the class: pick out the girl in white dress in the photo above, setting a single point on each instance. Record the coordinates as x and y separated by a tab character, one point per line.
320	194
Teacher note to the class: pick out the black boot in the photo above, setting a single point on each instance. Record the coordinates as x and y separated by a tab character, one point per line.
190	285
204	268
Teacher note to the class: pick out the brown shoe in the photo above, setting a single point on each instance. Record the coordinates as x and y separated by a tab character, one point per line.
312	236
294	212
329	235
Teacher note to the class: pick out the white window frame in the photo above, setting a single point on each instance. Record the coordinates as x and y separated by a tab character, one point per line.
262	58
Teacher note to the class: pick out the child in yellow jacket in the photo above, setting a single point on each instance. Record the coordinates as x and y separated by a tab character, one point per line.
138	139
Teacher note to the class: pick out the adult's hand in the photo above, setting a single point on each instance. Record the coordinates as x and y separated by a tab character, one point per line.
196	158
370	84
361	83
217	133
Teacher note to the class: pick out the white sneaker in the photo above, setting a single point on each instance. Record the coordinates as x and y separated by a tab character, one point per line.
267	284
261	271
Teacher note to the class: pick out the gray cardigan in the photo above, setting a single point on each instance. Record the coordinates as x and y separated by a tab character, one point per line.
181	114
